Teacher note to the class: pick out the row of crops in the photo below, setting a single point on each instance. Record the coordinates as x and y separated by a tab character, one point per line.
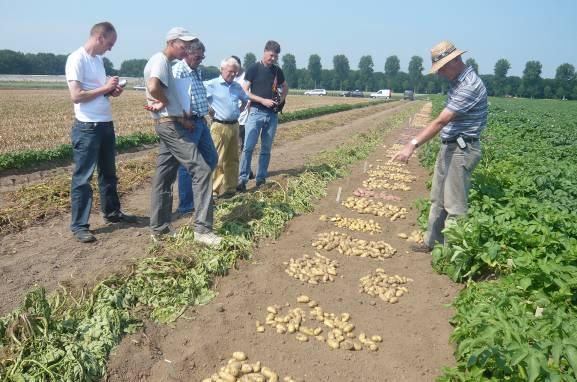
517	318
67	335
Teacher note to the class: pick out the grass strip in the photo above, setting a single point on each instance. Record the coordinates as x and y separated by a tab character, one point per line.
28	158
67	337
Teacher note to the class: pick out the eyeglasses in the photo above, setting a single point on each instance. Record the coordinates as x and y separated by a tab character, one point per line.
195	56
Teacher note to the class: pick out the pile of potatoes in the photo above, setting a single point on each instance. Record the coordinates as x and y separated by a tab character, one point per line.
238	369
373	207
374	194
340	333
392	168
313	270
349	246
415	236
360	225
388	288
391	175
383	184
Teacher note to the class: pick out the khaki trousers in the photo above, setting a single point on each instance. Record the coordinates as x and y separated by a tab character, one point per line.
225	139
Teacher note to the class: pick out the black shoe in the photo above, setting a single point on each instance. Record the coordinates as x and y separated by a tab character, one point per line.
421	248
120	217
241	187
227	195
260	182
84	236
251	175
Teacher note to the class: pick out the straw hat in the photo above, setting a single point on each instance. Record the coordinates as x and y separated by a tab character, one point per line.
442	53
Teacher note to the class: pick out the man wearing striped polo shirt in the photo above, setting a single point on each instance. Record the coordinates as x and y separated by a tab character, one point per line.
460	124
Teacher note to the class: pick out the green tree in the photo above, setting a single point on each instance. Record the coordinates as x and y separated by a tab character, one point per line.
12	62
109	67
416	72
471	62
315	68
392	67
365	72
289	68
565	79
341	68
249	59
532	80
133	68
502	66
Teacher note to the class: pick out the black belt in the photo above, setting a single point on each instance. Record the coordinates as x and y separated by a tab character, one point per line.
224	122
454	139
195	117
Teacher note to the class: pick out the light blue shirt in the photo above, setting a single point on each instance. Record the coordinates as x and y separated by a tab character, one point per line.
224	98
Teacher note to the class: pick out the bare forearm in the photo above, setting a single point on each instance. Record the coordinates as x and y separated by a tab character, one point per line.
157	91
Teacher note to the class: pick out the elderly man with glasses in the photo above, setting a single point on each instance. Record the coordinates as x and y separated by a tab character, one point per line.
194	101
176	147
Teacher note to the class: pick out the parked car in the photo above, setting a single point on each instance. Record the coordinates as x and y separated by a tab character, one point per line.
409	94
383	94
353	93
316	92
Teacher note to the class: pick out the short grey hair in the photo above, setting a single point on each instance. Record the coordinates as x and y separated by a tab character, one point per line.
230	61
196	45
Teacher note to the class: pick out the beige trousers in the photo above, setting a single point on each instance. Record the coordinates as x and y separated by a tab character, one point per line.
225	139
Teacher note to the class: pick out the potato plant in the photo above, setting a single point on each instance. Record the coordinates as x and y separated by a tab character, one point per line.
337	331
313	270
361	225
239	369
388	288
349	246
373	207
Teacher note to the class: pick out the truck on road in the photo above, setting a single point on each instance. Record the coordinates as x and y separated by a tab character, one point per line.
383	93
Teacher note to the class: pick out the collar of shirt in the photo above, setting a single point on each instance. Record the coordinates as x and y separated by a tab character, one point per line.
463	74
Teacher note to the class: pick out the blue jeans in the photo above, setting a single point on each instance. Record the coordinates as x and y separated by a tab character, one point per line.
200	135
263	123
93	145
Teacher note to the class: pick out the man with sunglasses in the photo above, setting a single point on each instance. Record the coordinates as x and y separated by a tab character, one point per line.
261	82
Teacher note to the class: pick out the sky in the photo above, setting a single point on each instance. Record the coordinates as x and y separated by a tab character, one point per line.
518	30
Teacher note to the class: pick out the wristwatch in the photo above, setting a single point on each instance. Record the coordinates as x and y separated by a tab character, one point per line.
414	142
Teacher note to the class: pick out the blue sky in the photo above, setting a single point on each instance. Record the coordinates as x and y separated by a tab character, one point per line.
488	29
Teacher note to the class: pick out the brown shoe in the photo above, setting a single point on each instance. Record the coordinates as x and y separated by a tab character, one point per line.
421	248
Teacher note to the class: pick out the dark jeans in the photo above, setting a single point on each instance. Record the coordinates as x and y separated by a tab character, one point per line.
201	136
93	145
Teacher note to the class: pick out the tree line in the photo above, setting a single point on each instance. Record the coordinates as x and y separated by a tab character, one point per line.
342	76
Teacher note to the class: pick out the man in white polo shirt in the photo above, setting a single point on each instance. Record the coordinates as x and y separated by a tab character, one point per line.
93	139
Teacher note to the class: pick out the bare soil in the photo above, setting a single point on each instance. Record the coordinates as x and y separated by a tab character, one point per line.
415	331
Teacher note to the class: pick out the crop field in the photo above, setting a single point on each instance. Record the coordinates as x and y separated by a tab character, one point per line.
41	119
314	280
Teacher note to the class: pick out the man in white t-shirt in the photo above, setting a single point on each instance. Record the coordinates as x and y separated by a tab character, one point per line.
93	138
177	146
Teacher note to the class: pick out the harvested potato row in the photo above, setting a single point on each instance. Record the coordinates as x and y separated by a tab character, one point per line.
349	246
391	175
314	270
360	225
415	236
392	167
373	207
374	183
373	194
238	369
388	288
340	333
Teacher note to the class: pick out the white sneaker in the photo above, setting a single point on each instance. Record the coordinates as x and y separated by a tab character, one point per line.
168	232
209	238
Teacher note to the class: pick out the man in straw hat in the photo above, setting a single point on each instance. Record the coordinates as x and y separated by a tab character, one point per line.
460	124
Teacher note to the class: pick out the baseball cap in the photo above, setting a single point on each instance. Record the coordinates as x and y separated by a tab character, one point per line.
179	33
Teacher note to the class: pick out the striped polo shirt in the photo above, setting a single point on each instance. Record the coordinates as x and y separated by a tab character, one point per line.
467	98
